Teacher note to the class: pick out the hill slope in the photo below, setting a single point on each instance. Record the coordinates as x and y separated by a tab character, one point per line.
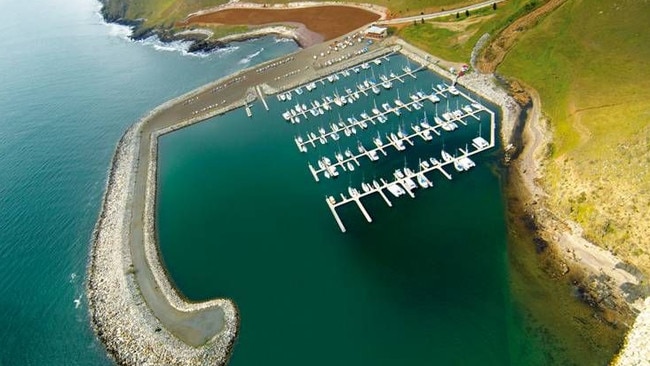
589	61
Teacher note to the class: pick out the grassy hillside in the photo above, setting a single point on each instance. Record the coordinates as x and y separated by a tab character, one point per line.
155	12
589	61
453	38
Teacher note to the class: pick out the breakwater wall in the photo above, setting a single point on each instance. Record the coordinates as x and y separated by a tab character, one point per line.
636	351
120	316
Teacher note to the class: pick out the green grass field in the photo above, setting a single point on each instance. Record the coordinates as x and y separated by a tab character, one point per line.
589	61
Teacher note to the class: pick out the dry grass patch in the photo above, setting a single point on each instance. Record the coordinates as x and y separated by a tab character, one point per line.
586	61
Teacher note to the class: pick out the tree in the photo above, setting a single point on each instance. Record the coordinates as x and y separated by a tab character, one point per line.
415	22
494	6
457	15
422	20
467	13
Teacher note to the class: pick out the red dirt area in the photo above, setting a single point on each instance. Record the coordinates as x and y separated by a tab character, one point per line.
328	21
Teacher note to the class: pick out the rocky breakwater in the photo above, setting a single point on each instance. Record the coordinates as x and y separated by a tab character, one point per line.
138	328
636	351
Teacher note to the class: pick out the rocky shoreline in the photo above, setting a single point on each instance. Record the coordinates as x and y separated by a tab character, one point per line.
122	319
202	42
636	351
607	284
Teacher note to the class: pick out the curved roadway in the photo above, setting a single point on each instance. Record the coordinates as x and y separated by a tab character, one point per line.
438	14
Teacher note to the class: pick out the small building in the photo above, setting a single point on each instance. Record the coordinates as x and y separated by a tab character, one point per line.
376	32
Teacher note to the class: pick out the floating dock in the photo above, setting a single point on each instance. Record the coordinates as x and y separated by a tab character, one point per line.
478	143
403	182
349	126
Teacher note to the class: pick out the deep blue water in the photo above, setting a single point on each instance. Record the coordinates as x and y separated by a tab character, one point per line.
69	86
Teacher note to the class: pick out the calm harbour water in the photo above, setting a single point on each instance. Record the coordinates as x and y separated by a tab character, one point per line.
429	282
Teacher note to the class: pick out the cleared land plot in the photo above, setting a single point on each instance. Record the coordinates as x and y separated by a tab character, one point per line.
400	8
328	21
168	12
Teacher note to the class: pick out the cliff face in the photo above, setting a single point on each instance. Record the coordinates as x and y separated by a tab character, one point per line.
119	11
114	11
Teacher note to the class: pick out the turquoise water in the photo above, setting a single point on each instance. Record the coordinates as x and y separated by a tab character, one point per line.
240	216
69	87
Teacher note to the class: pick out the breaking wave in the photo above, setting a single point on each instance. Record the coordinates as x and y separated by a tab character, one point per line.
250	57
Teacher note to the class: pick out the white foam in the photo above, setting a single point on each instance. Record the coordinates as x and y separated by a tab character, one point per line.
226	50
175	46
282	40
250	57
114	29
119	30
125	32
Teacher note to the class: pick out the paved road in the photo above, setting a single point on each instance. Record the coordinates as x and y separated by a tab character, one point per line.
438	14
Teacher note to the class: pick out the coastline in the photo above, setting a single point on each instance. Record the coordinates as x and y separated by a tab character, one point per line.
200	38
128	317
574	248
130	330
607	282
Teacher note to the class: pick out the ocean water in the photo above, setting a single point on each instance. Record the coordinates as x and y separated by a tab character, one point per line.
433	280
69	87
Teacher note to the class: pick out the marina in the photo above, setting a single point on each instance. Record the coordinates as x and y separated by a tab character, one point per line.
403	182
388	258
392	115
